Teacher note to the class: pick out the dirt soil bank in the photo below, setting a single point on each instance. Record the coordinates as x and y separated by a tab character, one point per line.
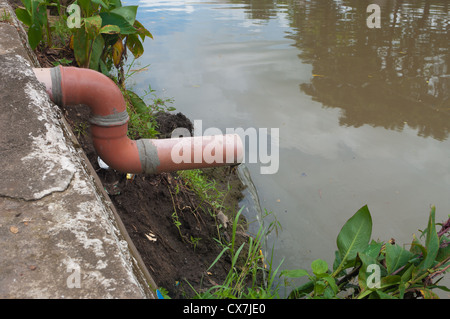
146	204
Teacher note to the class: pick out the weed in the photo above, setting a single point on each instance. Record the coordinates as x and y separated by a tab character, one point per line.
5	16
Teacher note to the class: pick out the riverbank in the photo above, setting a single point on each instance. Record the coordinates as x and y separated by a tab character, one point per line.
146	205
175	253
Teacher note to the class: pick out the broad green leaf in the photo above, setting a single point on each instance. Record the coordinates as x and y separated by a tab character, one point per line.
40	14
428	294
300	291
384	295
396	257
81	47
443	253
135	45
86	7
127	12
115	4
117	51
390	281
296	273
34	35
373	250
332	283
27	4
406	276
118	20
23	16
141	30
100	2
110	29
103	67
319	287
431	242
337	260
354	236
96	52
319	267
416	246
92	26
138	104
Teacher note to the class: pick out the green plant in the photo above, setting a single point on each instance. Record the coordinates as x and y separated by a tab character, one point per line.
6	16
81	129
204	187
377	270
62	61
107	29
248	276
195	241
34	16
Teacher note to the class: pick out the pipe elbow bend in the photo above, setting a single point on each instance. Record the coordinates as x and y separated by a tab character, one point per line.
109	127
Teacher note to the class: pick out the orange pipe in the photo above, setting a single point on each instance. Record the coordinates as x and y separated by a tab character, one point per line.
109	127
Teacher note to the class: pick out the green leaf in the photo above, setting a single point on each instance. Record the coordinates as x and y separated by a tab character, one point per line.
127	12
406	276
332	283
27	4
23	16
443	253
296	273
97	49
115	4
86	7
384	295
110	29
354	236
116	19
390	281
431	242
135	45
100	2
302	290
428	294
416	247
373	250
141	30
319	267
81	47
396	257
138	104
34	35
92	26
366	270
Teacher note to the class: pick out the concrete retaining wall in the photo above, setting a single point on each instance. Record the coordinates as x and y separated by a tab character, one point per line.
60	236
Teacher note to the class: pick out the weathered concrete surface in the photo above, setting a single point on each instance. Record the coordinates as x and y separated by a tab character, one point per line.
60	237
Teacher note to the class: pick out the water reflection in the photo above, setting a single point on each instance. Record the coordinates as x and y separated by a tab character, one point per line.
389	77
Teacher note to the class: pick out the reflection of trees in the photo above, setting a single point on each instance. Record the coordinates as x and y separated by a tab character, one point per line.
383	77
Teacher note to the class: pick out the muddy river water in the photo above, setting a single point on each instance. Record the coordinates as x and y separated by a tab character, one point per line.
358	109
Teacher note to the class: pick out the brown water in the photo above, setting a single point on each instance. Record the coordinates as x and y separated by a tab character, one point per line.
363	114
